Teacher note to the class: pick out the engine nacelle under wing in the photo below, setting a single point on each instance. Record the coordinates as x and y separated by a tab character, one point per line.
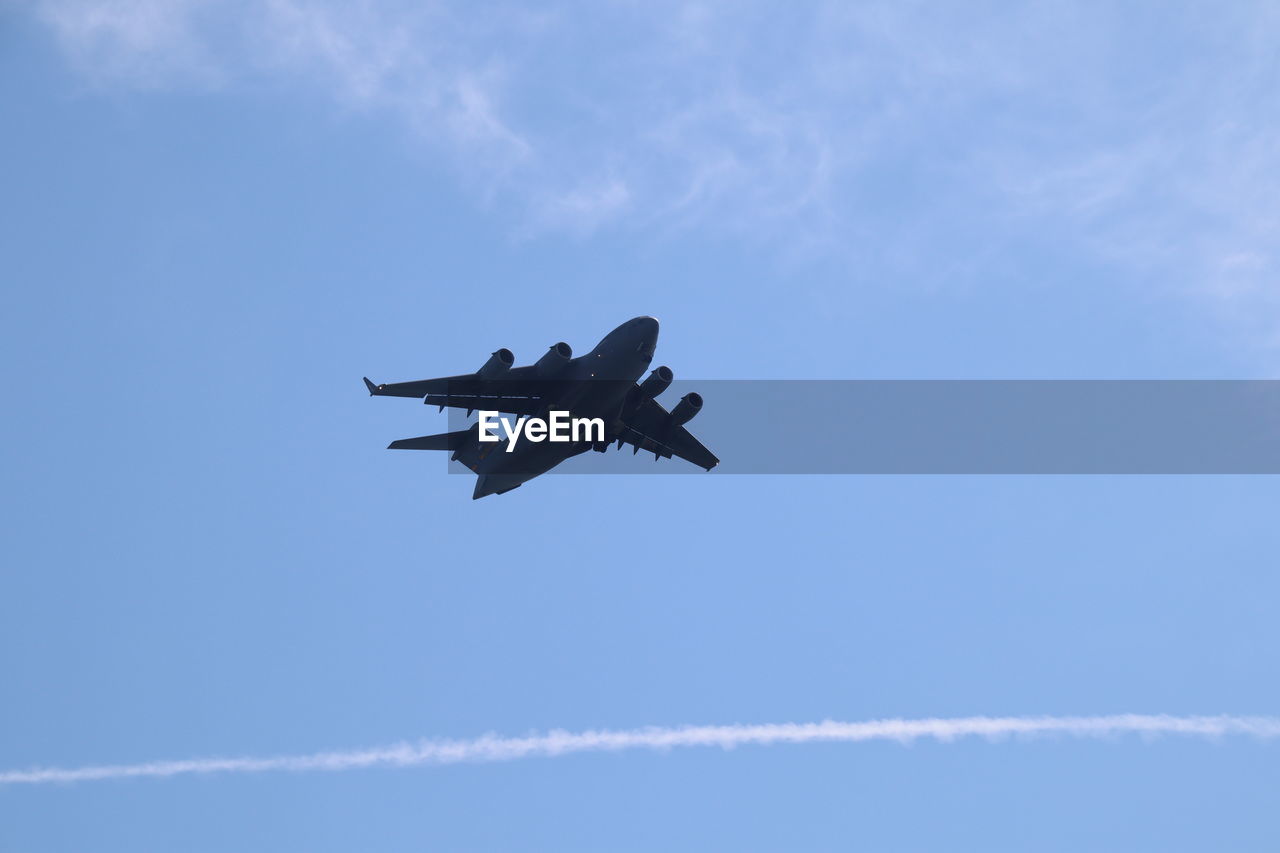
690	404
554	360
499	363
657	382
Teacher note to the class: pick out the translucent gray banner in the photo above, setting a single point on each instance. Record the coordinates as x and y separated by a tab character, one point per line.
967	427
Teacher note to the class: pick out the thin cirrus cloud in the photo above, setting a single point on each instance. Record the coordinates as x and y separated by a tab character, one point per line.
1141	135
492	748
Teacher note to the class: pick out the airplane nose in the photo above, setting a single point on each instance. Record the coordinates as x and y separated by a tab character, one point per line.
647	326
646	329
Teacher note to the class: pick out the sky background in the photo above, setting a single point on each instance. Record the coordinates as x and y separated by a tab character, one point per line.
216	217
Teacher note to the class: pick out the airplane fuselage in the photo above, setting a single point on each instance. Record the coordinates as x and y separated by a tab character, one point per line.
594	385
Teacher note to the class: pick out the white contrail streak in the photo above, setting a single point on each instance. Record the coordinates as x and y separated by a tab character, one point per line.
555	743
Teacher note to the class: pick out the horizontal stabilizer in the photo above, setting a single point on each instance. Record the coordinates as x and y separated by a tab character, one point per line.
442	441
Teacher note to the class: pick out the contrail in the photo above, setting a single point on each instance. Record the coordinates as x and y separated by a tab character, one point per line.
556	743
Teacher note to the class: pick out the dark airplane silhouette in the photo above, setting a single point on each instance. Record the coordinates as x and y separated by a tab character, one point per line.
601	384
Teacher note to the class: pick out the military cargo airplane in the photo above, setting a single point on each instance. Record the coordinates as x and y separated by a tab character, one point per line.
601	387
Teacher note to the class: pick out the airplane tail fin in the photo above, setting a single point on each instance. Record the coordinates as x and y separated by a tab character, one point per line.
441	441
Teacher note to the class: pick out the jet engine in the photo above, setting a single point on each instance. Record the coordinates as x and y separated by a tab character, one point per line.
657	382
499	363
555	359
690	404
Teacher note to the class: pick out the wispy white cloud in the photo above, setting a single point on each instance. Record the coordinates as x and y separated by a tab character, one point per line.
560	743
583	208
147	43
1141	134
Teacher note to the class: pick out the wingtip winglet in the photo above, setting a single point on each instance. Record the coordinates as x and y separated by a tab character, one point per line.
373	389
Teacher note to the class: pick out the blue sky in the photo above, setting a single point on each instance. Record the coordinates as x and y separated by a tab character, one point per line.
217	217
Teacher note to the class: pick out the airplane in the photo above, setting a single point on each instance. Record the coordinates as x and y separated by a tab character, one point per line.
603	384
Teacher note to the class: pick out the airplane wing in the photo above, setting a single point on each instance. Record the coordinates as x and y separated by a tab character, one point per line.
649	428
472	402
519	391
